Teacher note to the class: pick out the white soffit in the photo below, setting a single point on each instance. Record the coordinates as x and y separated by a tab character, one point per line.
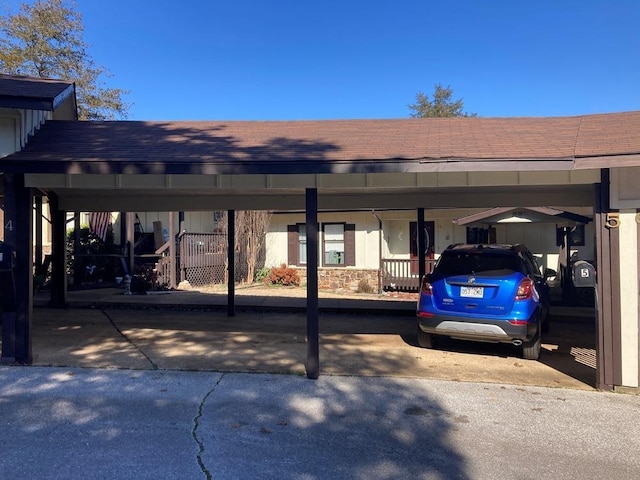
329	181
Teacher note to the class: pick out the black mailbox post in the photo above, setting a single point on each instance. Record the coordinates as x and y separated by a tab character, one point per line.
7	257
7	302
7	263
584	274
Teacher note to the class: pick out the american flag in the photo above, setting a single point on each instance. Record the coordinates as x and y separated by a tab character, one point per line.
99	224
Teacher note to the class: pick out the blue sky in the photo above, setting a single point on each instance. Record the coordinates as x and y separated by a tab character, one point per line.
302	59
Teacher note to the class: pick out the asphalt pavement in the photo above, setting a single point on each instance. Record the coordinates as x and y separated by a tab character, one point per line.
91	423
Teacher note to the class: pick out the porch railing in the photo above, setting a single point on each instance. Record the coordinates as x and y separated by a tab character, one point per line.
201	259
401	274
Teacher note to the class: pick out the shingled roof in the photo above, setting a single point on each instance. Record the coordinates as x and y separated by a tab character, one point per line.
33	93
400	145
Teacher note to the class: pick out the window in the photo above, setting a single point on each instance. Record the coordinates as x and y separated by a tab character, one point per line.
218	217
337	247
333	244
302	244
477	235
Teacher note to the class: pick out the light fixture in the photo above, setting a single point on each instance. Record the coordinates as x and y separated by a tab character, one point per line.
515	218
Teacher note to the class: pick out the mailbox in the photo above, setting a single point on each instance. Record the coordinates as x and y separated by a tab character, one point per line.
584	274
7	257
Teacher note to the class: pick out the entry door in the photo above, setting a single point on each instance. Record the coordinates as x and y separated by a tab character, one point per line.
429	230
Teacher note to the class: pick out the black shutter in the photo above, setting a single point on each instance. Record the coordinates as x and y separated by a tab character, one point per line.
350	245
292	245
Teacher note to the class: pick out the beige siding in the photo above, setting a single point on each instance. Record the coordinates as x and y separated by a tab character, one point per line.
9	138
629	298
16	125
624	187
15	128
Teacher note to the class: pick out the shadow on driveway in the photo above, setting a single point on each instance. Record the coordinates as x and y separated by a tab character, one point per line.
380	344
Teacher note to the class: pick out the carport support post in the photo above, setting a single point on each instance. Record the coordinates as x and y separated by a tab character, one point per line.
123	231
58	297
181	224
77	273
422	246
231	262
131	242
38	234
608	337
172	251
18	232
311	228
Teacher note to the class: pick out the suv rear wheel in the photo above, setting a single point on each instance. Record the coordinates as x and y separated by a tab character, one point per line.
531	350
426	340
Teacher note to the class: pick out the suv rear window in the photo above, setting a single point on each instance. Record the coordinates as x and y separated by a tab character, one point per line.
466	263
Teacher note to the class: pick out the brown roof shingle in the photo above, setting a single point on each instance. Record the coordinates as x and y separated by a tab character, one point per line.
34	93
316	146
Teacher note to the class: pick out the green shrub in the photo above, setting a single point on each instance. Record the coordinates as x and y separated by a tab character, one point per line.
262	274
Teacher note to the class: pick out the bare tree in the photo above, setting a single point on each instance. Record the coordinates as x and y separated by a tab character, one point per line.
252	228
250	232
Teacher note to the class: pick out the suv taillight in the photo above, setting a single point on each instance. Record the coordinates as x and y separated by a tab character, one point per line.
426	288
525	289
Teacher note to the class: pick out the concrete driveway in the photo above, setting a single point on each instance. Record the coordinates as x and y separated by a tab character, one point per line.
193	332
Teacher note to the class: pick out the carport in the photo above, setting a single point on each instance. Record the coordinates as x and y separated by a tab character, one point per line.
560	162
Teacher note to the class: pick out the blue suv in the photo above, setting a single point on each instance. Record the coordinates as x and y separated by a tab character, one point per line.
487	293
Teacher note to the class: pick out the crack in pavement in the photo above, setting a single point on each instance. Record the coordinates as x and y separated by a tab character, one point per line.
196	425
154	366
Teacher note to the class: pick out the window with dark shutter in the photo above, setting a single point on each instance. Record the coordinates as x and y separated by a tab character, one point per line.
297	244
338	244
333	244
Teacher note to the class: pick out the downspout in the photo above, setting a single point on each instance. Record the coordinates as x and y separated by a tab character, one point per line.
373	212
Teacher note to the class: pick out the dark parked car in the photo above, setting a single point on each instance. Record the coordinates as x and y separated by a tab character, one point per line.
488	293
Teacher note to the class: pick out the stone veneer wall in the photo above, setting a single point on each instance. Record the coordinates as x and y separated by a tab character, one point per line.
347	279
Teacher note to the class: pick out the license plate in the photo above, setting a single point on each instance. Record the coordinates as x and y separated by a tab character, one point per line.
471	292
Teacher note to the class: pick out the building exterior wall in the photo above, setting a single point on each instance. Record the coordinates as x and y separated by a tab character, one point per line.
625	202
367	236
9	136
629	297
16	125
393	244
540	238
194	222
